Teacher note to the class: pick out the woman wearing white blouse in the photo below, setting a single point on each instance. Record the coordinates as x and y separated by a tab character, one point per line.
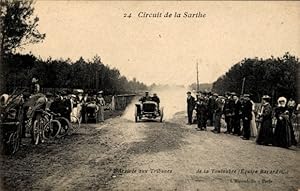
253	127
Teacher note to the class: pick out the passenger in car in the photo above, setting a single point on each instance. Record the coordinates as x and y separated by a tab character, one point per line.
156	99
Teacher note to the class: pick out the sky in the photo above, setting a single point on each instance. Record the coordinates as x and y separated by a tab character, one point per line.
166	50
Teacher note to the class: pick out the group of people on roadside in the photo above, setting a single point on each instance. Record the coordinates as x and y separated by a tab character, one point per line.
71	105
240	116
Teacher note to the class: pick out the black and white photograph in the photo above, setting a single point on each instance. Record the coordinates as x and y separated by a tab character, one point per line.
149	95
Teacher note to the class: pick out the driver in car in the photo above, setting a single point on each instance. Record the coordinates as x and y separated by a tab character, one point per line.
146	97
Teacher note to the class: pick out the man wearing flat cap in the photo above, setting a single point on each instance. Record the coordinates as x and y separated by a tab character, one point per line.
190	107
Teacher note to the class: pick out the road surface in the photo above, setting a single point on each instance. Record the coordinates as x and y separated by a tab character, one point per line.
123	155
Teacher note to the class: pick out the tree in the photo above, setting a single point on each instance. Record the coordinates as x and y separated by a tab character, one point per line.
19	25
202	87
18	28
273	76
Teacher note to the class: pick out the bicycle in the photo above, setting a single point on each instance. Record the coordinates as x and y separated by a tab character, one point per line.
53	127
65	126
45	126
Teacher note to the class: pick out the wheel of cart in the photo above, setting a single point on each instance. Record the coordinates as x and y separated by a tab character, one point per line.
11	127
91	112
13	134
11	119
12	137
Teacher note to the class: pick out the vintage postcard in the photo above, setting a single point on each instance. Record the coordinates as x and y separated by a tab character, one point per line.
149	95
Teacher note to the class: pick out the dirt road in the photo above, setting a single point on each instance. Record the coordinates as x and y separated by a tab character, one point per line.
123	155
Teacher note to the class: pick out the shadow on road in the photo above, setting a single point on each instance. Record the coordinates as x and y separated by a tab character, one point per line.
160	137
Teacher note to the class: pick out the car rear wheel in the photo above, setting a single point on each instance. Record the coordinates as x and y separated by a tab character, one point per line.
136	115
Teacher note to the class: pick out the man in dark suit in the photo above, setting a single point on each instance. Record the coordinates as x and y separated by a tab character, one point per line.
218	114
246	109
228	112
202	113
66	106
212	106
190	107
236	116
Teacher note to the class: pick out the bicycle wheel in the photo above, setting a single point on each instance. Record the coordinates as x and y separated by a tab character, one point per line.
65	126
36	132
13	143
51	129
38	125
15	139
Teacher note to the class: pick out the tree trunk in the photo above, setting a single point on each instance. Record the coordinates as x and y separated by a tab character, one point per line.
2	65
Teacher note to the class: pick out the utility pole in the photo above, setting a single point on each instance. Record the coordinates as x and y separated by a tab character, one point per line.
243	86
97	80
197	78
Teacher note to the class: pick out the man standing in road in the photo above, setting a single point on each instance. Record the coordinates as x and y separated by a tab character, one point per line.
218	114
228	111
202	113
246	109
211	108
190	107
236	116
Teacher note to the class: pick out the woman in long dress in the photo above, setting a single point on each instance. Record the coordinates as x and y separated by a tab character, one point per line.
265	133
284	134
101	103
253	127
